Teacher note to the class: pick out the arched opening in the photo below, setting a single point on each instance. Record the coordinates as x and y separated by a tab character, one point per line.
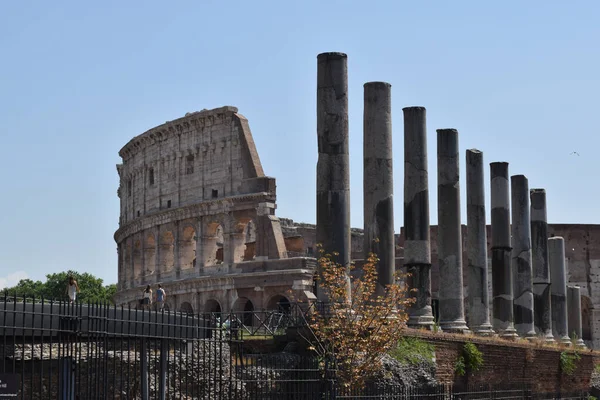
167	256
586	318
279	303
187	248
249	241
137	259
186	308
212	306
220	245
244	310
150	254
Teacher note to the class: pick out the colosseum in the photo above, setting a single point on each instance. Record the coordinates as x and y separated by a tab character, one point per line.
198	216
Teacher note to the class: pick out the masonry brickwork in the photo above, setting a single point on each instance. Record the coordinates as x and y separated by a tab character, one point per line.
513	363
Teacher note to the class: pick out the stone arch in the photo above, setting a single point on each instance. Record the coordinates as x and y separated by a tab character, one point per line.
279	303
213	243
137	259
167	253
186	308
244	310
150	254
212	306
586	318
249	241
187	247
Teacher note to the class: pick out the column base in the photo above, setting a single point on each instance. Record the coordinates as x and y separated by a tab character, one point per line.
580	343
458	326
547	337
508	333
423	321
565	340
484	330
525	333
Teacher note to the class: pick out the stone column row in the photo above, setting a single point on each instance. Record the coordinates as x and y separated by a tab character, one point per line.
520	265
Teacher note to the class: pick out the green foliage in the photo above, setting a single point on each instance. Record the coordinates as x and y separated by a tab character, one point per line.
597	368
55	288
568	362
411	351
470	360
590	397
460	368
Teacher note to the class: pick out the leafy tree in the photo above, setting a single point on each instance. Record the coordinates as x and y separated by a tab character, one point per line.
356	331
55	287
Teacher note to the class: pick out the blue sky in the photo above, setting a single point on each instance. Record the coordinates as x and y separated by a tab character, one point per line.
519	80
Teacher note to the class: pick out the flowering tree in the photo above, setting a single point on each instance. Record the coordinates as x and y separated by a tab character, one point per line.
356	329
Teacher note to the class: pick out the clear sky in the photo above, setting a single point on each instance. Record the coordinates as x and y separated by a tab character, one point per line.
519	80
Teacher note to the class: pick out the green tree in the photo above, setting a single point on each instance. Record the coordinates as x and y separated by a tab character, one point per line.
92	288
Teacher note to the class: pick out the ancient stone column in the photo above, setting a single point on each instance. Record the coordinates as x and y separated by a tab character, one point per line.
452	313
574	307
558	289
521	257
378	180
333	171
417	246
477	272
502	291
541	272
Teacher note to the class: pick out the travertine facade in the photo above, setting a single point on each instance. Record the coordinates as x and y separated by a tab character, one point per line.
197	215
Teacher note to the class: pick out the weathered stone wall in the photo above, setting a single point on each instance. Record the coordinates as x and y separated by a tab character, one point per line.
201	156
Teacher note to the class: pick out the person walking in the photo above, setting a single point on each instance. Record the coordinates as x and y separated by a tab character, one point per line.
160	297
72	289
147	297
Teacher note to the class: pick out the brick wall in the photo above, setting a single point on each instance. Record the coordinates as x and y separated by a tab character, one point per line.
511	363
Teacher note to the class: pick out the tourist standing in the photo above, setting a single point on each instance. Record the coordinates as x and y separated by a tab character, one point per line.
147	297
160	297
72	289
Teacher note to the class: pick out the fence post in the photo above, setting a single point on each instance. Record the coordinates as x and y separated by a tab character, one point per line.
164	349
144	367
66	390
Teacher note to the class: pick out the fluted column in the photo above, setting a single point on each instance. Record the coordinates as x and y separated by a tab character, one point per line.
333	168
502	291
477	273
521	257
452	314
558	289
417	245
541	271
574	307
378	187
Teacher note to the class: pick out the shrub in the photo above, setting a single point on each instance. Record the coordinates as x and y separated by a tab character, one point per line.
470	360
568	362
411	350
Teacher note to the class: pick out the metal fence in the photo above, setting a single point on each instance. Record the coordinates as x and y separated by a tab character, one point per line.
55	350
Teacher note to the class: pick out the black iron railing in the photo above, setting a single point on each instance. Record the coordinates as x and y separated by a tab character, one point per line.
55	350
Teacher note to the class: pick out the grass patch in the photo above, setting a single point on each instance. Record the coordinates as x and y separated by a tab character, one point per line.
412	350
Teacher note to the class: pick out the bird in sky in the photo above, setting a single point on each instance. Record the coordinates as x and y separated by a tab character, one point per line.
574	153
